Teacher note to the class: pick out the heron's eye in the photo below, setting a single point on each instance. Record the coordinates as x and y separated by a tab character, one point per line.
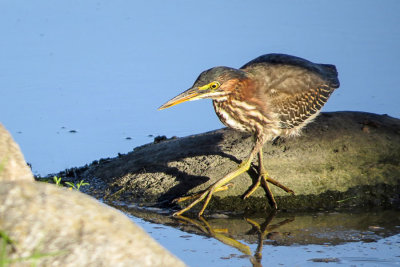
214	85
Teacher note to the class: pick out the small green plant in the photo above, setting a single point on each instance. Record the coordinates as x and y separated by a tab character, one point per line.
57	180
78	185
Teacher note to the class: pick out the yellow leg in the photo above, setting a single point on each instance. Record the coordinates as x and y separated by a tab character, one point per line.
254	187
216	187
207	194
263	180
181	199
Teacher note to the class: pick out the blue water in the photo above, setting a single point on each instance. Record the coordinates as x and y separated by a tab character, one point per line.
196	250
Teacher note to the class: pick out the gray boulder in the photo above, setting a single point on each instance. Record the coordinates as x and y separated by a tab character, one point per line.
342	160
47	225
12	163
68	228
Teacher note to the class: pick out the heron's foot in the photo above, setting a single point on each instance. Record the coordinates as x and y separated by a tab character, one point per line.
200	196
181	199
263	180
220	185
281	186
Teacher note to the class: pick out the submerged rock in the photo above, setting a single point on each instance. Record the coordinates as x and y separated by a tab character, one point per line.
342	159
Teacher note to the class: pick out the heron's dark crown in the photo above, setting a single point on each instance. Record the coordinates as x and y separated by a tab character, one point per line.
220	74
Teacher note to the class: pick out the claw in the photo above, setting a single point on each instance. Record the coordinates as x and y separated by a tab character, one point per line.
263	180
181	199
220	185
224	183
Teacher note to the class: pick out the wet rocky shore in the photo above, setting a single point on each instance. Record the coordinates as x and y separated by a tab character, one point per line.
341	160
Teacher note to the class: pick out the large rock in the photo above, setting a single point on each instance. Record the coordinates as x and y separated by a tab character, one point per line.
342	159
12	163
71	229
65	228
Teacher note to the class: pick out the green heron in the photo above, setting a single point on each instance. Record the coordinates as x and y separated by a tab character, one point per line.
273	95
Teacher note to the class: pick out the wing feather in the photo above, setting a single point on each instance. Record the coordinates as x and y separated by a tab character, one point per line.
294	88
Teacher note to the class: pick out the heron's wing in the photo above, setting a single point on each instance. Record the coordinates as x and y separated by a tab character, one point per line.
326	72
293	88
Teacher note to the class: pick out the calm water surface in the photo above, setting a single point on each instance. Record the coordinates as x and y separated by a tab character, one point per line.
308	239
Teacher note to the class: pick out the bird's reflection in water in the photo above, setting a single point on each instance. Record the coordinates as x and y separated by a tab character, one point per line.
263	231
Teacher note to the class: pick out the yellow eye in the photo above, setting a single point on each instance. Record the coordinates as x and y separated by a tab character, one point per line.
214	85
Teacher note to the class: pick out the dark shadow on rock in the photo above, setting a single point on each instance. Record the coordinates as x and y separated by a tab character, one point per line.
131	177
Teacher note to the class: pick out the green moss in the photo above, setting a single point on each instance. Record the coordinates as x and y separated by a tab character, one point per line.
3	163
8	246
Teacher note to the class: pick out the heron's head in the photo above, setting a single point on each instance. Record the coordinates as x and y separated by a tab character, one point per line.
216	83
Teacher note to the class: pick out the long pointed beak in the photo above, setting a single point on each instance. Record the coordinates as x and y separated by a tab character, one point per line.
188	95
